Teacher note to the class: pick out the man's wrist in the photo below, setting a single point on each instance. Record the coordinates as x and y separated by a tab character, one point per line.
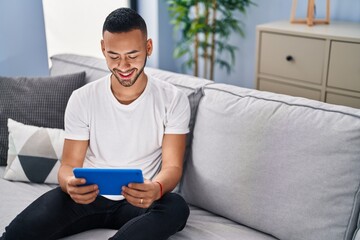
161	188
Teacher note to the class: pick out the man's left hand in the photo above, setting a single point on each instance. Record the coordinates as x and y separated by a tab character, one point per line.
142	194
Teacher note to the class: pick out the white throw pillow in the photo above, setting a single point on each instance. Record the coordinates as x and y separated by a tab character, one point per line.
34	153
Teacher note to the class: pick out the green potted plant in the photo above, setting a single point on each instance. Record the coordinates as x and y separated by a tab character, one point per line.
205	27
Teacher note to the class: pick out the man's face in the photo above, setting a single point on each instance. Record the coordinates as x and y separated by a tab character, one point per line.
126	54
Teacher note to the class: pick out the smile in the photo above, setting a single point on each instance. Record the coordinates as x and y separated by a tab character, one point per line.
127	74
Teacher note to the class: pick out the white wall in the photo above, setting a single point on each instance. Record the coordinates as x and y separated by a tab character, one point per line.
75	26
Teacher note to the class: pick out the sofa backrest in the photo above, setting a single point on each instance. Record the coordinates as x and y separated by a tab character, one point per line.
287	166
94	68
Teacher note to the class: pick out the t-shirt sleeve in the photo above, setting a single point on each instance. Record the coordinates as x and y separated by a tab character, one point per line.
76	119
178	115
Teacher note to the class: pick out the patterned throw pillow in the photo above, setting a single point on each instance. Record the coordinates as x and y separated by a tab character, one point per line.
38	101
34	153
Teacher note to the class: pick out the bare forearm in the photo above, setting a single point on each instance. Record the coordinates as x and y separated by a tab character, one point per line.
73	156
169	177
172	161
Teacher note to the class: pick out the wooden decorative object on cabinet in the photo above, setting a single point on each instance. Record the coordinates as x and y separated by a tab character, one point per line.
310	17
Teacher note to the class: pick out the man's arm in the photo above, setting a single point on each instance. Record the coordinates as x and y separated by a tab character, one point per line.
73	156
143	195
173	150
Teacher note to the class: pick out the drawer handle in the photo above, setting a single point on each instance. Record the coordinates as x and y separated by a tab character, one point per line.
289	58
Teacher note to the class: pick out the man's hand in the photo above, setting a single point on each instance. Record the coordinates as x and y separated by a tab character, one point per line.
73	156
81	194
142	194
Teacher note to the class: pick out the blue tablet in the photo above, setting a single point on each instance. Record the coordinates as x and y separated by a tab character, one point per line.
109	180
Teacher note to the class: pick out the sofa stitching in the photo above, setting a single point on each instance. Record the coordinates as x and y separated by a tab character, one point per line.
191	88
283	102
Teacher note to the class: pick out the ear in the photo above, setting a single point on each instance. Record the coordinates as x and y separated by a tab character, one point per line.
103	47
149	47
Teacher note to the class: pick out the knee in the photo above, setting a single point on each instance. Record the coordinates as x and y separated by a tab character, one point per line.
178	206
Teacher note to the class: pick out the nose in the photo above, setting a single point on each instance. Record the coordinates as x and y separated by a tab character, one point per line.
123	64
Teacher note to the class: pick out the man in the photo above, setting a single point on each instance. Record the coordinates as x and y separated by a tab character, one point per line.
124	120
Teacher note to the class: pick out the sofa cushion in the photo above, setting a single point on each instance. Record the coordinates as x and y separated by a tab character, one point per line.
203	225
34	153
185	82
286	166
16	196
35	101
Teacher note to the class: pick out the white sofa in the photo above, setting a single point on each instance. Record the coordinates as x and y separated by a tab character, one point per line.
259	165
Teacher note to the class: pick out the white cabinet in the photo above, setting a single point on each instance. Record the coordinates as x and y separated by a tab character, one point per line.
321	62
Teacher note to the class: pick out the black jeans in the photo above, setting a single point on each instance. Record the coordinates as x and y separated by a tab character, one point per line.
55	215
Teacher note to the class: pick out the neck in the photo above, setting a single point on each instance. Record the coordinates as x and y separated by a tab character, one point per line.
126	95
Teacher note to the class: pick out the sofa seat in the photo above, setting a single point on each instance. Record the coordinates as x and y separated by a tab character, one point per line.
15	196
201	224
205	225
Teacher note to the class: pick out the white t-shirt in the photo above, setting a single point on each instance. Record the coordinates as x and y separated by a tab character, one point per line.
126	136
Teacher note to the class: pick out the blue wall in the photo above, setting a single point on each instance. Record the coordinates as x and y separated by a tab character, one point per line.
22	38
23	42
265	11
160	30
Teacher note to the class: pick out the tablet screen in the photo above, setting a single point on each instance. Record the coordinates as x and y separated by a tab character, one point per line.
109	180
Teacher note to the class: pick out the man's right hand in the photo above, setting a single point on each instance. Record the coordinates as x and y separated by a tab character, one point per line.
81	194
73	156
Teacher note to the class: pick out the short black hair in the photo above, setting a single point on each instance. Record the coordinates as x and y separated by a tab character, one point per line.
124	20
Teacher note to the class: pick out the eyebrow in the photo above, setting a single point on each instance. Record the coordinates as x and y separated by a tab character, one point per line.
130	52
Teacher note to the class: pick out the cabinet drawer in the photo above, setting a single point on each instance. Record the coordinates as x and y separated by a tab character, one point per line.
272	86
307	57
344	66
343	100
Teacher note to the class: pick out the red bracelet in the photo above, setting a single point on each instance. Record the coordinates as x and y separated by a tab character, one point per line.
161	188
